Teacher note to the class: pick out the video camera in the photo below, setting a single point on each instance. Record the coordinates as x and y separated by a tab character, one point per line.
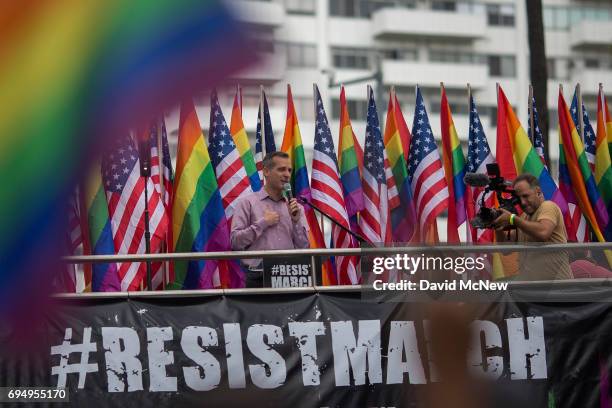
492	181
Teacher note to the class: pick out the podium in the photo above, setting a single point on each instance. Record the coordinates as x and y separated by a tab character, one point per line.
287	272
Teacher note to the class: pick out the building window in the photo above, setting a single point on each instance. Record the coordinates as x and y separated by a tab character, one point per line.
399	54
305	7
342	8
444	5
456	57
500	15
358	109
364	8
502	66
301	55
591	63
561	18
352	58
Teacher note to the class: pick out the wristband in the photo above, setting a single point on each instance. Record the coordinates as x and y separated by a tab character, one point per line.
512	219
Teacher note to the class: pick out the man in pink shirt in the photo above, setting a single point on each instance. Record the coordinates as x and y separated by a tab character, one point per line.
266	220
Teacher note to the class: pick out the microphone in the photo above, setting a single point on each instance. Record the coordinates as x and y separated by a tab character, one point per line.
287	192
476	179
144	154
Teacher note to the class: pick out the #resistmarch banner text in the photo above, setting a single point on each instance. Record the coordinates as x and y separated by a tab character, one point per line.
306	349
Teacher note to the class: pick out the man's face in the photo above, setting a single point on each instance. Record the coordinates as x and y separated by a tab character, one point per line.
279	174
531	198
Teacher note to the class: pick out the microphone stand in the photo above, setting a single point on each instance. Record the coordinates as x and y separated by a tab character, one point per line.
358	237
145	172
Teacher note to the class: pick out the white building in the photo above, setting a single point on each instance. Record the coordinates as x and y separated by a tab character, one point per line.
480	42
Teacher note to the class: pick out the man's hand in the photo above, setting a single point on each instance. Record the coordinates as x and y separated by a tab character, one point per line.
503	221
271	217
294	210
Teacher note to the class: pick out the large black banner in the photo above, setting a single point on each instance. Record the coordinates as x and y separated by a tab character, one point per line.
309	350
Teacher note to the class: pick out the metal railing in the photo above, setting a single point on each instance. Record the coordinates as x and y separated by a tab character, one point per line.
318	253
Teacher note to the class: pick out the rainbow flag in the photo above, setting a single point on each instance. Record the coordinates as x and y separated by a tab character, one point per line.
198	217
572	154
402	127
348	164
98	234
603	162
73	74
292	145
454	171
403	217
515	153
241	139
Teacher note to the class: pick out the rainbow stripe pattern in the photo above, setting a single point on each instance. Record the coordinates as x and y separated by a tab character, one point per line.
72	74
573	157
241	140
603	165
454	171
292	145
403	217
98	234
198	218
515	153
348	164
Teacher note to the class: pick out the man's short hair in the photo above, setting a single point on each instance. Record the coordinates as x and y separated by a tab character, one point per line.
529	178
268	161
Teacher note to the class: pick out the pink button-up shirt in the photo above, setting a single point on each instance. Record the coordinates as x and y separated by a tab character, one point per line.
250	233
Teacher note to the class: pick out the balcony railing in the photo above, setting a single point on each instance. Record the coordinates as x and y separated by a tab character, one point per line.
396	23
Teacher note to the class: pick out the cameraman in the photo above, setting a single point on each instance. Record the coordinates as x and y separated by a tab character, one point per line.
541	221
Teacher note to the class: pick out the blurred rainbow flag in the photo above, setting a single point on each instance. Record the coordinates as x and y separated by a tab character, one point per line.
74	72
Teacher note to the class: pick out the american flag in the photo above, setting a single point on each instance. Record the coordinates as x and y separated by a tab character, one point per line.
589	133
327	192
374	220
229	169
125	196
538	140
267	140
163	186
425	170
75	233
479	155
67	282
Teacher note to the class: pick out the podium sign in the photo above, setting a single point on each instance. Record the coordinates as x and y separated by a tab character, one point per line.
287	272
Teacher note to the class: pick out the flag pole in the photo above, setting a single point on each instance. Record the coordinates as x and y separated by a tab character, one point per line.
262	125
601	95
531	115
162	189
580	112
144	150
